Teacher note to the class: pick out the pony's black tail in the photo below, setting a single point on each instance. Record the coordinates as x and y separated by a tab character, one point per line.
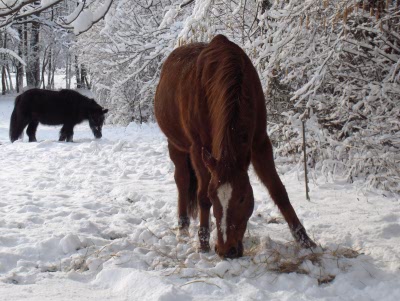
192	205
15	127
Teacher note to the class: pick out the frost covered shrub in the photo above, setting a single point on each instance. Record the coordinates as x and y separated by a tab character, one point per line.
340	61
125	53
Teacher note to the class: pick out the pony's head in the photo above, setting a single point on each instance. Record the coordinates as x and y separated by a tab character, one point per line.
232	198
96	119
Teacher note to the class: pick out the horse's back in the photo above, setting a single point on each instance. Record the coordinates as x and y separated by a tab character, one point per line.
46	106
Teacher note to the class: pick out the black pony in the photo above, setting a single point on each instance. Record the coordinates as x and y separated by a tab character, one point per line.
66	107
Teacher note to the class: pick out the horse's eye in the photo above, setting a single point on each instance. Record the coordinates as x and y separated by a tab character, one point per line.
241	200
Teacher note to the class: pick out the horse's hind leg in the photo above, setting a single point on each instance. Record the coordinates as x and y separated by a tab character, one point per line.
31	131
183	183
66	133
263	162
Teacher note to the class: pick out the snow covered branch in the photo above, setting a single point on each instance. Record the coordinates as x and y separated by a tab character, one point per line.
22	9
85	15
12	54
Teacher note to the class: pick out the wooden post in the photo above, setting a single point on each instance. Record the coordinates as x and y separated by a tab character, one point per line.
305	159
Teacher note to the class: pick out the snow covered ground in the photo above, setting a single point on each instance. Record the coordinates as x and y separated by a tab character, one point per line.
96	220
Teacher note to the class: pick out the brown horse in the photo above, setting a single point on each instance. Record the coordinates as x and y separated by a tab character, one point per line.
210	105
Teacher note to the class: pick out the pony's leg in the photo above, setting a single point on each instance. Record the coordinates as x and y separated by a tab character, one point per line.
263	162
66	133
204	202
31	131
182	180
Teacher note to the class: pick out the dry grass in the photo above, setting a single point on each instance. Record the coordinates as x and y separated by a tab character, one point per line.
285	267
290	258
326	279
275	220
262	256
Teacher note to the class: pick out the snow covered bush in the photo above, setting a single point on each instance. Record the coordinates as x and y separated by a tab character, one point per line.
339	63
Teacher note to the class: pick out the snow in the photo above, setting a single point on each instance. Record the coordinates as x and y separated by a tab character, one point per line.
72	16
83	22
84	19
96	220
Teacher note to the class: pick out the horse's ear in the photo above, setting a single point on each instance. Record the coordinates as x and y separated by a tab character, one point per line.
105	111
209	161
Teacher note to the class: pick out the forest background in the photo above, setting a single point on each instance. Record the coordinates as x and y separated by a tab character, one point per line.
330	67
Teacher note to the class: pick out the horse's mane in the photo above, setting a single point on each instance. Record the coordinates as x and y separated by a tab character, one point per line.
222	78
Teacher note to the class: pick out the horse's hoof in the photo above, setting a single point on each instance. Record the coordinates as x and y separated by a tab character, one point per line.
204	248
308	244
301	236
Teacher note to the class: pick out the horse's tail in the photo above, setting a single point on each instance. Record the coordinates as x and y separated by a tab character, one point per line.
15	128
192	205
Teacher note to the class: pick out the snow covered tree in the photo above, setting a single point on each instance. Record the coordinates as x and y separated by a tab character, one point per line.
125	54
40	26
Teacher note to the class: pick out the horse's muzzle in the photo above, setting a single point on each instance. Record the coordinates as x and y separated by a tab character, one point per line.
233	252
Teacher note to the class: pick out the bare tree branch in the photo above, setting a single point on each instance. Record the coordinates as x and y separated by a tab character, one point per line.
186	3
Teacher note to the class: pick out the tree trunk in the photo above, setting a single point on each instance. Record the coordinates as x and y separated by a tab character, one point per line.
67	79
25	50
9	77
52	75
3	68
83	76
50	68
77	73
20	67
50	60
140	113
33	69
44	64
3	80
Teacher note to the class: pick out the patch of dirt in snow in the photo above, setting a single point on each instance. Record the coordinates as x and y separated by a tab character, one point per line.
96	219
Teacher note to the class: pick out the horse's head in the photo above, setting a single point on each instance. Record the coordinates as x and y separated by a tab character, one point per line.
96	119
233	203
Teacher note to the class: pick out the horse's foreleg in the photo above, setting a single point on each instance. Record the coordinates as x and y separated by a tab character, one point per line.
66	133
182	180
263	162
204	202
31	131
